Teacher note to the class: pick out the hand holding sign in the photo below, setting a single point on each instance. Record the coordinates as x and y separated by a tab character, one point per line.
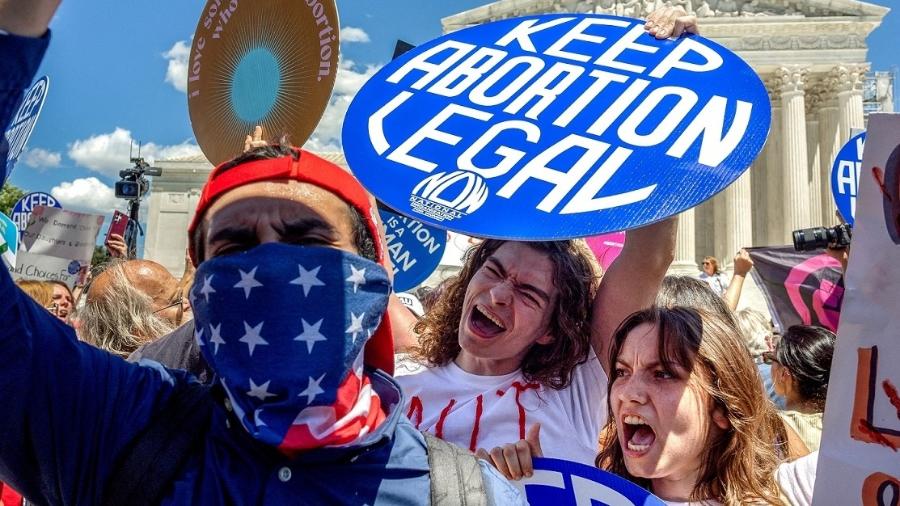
515	460
670	21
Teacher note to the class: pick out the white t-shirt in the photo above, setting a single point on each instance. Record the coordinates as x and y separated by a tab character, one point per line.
475	411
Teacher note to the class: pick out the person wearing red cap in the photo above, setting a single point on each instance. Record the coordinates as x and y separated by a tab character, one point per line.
289	302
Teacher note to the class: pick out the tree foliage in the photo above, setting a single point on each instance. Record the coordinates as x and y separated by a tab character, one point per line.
9	195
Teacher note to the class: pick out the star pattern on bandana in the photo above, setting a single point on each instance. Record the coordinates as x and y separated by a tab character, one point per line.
308	279
198	335
313	389
356	325
261	392
248	282
216	337
310	334
207	287
357	277
252	337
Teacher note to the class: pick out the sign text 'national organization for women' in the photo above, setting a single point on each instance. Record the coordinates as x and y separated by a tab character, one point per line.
555	126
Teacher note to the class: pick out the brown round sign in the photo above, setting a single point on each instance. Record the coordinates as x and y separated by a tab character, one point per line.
267	63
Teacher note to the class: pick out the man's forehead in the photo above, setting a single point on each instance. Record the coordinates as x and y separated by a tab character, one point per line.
528	264
247	204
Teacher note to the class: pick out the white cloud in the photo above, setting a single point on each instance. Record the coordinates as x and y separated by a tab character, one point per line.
108	153
177	71
87	195
349	80
353	34
41	159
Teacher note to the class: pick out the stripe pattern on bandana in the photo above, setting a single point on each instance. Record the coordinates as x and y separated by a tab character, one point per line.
284	327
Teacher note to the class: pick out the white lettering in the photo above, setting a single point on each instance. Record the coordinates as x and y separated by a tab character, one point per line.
510	156
470	70
542	88
522	32
537	168
674	60
618	107
603	79
577	33
479	96
432	70
662	130
584	201
430	131
627	42
376	122
714	147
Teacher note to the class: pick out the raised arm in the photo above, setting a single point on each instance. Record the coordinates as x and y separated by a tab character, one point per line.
742	265
632	281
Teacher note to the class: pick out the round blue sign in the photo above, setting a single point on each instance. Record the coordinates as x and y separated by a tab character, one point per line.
845	176
567	483
555	126
416	249
23	208
23	122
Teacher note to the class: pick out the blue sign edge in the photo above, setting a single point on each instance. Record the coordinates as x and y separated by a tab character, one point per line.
834	165
402	59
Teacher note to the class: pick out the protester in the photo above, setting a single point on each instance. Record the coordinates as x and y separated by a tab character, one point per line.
63	299
689	421
801	364
40	291
128	305
287	252
756	329
713	276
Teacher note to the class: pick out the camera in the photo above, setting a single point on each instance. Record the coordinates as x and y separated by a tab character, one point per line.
809	239
133	184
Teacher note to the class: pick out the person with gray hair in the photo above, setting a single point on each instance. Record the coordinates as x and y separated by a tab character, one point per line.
126	304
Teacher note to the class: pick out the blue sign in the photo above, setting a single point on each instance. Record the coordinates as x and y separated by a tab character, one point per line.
23	208
9	240
845	176
555	126
23	123
416	249
565	483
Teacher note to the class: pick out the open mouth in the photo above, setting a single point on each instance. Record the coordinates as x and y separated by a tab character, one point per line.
484	323
639	436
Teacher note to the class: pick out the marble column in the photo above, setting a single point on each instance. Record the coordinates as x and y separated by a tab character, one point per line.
774	169
814	172
685	250
758	176
829	145
795	181
850	80
738	212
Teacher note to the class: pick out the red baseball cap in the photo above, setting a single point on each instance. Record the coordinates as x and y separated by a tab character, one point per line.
308	168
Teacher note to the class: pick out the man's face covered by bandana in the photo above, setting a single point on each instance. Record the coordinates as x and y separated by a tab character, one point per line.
283	307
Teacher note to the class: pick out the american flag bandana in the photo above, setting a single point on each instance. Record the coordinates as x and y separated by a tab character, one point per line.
284	328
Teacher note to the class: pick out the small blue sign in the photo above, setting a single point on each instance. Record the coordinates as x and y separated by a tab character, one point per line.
416	249
555	126
21	212
845	176
9	240
23	123
565	483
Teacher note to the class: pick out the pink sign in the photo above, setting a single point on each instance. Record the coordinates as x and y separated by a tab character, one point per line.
606	247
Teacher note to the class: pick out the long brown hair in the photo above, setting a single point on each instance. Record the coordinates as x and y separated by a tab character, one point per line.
575	278
739	465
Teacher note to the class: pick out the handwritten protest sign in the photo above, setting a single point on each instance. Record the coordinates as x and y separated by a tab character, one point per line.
23	123
47	268
555	126
416	249
564	483
859	460
845	176
21	212
9	240
260	63
60	233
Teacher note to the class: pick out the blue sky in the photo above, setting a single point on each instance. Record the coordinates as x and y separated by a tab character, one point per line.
114	66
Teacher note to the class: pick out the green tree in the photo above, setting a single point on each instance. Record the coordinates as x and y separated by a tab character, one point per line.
101	256
9	195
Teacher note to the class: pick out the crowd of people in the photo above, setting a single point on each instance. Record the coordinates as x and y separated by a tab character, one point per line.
285	371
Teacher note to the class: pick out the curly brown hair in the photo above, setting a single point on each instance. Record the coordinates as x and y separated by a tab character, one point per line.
575	276
737	467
